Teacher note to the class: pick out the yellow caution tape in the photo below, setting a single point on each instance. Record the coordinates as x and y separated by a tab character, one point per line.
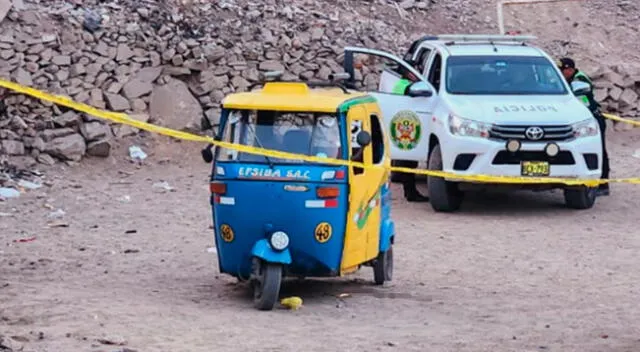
620	119
126	120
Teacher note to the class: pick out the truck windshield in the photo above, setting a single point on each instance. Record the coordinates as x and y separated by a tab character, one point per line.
503	75
313	134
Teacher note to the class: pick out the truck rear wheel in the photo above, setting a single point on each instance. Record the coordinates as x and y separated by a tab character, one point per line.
383	267
580	198
444	196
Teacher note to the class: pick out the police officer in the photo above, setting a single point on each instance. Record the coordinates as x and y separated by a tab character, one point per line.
411	193
571	73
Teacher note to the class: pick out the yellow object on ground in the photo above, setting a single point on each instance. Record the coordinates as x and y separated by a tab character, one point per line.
292	303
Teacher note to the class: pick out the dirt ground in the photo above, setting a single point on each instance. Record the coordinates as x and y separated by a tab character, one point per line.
510	272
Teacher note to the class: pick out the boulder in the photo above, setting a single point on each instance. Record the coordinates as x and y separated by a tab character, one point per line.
11	147
126	130
49	135
68	119
628	97
71	147
136	88
117	102
92	131
174	106
614	78
100	148
615	93
148	74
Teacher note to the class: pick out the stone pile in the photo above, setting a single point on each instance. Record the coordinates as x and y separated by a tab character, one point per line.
618	90
172	62
159	61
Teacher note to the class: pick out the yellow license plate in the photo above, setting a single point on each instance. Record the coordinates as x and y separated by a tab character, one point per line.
534	168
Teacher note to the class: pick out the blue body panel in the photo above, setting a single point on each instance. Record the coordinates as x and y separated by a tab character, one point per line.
387	226
261	206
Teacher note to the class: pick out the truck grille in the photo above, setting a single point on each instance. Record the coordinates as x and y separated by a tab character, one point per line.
550	133
504	157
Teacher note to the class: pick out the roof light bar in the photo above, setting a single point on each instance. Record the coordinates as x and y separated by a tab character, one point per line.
485	38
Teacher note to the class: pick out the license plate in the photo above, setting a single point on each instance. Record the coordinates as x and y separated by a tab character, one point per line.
534	168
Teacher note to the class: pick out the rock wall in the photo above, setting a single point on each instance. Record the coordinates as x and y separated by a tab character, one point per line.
172	63
161	61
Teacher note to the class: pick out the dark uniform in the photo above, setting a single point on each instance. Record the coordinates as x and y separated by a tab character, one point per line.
568	68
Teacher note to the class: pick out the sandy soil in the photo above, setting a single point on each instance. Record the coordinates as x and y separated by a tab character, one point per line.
132	267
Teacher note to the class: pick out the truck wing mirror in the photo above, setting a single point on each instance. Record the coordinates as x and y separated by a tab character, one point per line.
420	89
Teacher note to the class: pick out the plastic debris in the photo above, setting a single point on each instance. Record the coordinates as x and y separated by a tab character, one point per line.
6	192
28	184
125	199
164	185
136	152
212	250
636	154
24	240
293	303
58	223
58	214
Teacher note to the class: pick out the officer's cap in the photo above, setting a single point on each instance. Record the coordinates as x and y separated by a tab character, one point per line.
566	62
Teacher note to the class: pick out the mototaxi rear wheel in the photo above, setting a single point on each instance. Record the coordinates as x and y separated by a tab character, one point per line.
383	267
266	284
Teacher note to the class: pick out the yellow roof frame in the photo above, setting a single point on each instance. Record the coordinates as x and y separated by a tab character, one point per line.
290	96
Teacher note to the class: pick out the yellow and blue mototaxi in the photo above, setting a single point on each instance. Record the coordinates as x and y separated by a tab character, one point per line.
275	217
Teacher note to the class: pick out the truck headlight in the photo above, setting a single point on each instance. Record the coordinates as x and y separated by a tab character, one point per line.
586	128
279	240
468	128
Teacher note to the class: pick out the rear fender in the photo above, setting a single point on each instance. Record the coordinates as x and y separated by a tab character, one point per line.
262	249
386	234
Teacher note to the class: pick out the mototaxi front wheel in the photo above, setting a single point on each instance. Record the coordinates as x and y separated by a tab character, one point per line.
266	285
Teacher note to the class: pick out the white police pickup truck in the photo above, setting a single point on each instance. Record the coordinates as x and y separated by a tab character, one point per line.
483	104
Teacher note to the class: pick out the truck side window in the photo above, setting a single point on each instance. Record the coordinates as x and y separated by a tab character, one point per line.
377	141
434	72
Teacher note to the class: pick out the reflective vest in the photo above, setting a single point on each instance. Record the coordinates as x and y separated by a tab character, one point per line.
580	76
401	86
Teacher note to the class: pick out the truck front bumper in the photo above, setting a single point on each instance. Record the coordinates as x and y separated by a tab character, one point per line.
578	158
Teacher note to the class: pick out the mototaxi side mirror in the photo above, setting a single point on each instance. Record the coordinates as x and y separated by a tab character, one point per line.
580	88
207	154
420	89
363	138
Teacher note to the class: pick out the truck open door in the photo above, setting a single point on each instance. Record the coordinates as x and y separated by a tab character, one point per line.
405	116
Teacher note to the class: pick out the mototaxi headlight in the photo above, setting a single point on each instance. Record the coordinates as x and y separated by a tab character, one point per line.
279	240
586	128
468	128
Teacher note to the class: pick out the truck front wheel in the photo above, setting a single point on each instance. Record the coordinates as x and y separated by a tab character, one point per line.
444	196
580	198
